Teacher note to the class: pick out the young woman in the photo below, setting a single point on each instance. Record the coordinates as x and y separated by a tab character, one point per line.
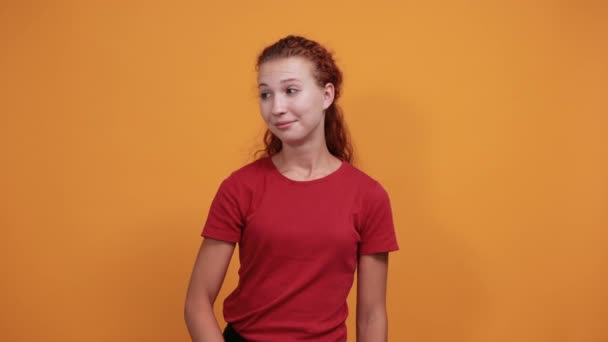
304	219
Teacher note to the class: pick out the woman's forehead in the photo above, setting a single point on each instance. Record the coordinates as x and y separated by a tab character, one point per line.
285	69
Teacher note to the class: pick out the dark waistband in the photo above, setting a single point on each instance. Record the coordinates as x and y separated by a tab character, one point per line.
231	335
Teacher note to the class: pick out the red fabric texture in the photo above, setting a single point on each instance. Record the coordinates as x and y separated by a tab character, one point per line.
299	243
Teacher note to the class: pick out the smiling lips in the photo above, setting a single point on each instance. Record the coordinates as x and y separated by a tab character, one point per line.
284	124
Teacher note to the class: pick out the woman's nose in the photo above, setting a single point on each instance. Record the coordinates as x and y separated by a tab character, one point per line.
278	105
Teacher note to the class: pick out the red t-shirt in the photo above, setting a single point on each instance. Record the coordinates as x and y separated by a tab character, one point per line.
299	242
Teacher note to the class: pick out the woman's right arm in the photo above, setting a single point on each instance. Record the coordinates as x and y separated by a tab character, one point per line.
205	282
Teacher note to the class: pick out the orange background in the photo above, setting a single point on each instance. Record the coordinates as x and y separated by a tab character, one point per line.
487	123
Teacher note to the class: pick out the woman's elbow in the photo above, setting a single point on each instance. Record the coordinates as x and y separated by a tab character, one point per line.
372	316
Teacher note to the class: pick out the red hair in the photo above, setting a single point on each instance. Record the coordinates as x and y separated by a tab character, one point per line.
325	71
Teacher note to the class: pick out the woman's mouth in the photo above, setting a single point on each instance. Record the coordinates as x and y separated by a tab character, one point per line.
284	125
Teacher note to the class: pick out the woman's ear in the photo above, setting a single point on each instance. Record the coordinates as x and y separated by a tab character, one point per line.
328	95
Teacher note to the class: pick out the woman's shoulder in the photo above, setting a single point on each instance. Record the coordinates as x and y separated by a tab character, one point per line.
362	178
245	180
250	172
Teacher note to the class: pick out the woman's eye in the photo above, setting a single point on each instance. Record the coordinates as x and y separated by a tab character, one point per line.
264	96
291	91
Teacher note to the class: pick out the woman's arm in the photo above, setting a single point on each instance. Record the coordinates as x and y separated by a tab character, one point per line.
372	323
205	282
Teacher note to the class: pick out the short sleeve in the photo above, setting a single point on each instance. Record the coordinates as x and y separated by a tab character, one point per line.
225	219
376	223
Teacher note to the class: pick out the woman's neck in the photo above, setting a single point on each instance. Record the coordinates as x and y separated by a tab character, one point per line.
305	163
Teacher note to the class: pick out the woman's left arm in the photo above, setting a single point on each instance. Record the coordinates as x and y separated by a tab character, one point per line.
372	322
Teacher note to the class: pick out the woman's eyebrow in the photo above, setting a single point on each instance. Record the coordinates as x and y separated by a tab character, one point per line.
287	80
290	80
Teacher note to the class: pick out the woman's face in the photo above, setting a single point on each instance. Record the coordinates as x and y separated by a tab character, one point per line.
291	101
